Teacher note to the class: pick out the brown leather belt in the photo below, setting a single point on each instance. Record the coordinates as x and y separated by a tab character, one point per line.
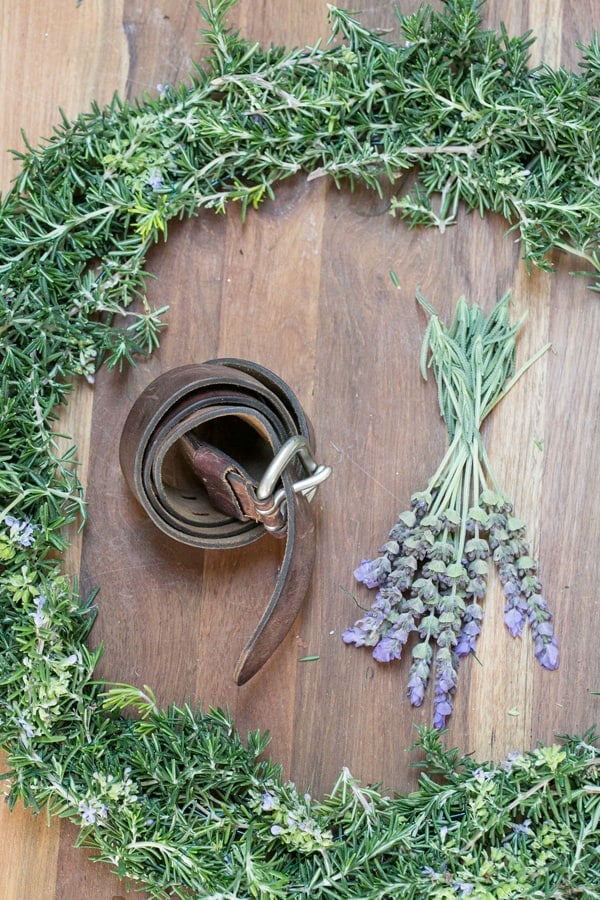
219	454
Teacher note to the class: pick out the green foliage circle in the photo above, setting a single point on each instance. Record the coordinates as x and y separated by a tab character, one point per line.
174	799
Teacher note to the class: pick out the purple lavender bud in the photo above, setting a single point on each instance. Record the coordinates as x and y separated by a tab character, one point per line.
416	546
373	572
433	569
477	548
514	619
400	581
355	635
457	575
419	676
415	605
544	629
507	573
467	638
442	550
476	588
503	555
408	563
426	589
399	532
545	643
383	602
446	638
473	611
387	649
390	549
420	503
546	652
416	690
538	608
521	550
366	630
530	585
432	523
429	626
496	520
442	708
445	680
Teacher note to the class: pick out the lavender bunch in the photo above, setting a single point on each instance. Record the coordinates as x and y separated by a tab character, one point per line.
431	575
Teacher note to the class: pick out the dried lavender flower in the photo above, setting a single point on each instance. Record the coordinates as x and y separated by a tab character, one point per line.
432	573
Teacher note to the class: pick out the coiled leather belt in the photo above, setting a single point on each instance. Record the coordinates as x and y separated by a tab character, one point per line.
219	454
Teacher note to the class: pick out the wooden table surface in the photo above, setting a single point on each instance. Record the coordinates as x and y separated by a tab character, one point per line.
303	288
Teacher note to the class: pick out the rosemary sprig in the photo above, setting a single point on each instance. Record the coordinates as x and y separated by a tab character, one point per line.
432	573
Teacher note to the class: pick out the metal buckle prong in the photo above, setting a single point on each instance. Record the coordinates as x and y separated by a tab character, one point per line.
307	486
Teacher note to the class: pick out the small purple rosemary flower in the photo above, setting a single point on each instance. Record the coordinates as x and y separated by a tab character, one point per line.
39	616
511	759
27	731
465	888
269	801
92	812
21	533
522	827
155	180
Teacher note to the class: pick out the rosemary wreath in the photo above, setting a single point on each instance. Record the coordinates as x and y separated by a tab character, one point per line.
174	799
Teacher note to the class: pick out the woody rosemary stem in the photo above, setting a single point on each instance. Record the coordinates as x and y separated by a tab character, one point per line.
432	575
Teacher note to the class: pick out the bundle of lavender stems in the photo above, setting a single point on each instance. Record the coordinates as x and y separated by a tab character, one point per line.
431	574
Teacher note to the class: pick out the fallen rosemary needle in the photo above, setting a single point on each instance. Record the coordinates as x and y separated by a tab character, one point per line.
431	575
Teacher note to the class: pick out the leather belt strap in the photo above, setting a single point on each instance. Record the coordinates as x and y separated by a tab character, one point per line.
218	454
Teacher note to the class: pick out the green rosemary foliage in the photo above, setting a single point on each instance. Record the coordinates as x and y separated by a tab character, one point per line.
175	799
456	102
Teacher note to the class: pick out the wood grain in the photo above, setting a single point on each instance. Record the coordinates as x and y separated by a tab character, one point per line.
303	288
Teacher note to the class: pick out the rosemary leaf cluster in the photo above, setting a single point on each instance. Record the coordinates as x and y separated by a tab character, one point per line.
174	799
431	575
